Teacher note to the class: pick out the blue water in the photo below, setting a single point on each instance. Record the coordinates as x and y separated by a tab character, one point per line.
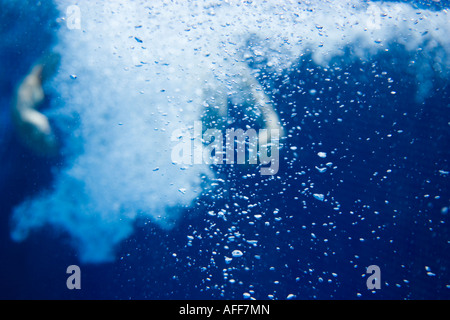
386	193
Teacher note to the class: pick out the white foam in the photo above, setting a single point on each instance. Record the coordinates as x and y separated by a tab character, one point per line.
135	72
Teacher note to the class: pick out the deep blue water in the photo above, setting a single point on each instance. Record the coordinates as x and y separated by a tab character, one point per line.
384	205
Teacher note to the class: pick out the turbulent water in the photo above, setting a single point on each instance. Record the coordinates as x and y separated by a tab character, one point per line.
136	71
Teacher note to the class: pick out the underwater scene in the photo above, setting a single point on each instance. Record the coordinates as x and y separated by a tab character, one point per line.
225	149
